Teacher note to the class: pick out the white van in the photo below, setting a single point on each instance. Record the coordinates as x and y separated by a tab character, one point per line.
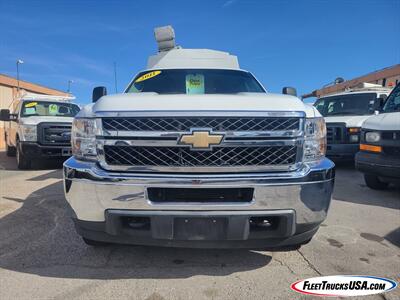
344	114
379	156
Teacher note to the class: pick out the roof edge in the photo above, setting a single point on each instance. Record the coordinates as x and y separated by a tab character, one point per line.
30	86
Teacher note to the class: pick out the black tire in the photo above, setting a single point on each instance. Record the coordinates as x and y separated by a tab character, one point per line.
95	243
306	242
10	151
373	182
22	162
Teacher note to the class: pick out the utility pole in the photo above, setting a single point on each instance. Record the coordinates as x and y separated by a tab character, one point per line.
69	85
115	77
19	61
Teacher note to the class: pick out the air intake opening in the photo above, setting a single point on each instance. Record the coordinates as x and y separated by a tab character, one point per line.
190	195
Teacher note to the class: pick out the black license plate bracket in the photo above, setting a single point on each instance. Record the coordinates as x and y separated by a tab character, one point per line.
200	228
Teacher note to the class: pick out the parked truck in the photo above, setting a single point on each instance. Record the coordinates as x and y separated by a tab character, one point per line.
344	115
38	127
196	153
379	155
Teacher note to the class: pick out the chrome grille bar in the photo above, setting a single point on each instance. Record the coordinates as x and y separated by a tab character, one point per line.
184	124
184	157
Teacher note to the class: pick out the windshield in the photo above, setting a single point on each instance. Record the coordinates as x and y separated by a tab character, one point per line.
352	104
47	108
195	81
392	103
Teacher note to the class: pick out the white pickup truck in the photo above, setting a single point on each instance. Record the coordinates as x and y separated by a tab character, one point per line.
344	115
195	153
38	127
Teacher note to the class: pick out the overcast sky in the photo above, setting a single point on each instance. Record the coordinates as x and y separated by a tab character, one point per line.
304	44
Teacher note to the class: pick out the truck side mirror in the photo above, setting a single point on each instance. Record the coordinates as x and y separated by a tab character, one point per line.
4	115
98	92
287	90
379	102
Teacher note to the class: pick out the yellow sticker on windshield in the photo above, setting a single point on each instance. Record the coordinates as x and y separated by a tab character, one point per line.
53	109
148	76
31	104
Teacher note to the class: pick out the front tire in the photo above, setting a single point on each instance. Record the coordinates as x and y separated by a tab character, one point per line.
23	163
373	182
10	151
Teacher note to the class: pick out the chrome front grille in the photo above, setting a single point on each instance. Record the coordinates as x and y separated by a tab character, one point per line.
336	133
184	157
151	142
184	124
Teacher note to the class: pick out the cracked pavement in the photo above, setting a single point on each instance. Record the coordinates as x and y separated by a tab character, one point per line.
41	256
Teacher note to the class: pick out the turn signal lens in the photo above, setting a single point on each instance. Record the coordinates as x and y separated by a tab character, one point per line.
370	148
354	129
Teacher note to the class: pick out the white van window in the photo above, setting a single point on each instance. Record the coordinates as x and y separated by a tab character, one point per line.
351	104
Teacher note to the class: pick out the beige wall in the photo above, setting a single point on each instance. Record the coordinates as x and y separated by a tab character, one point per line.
6	96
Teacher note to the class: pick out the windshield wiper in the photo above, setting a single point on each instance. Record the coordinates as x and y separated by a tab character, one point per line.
342	113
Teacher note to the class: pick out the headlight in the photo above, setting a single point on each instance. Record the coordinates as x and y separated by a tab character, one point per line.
372	137
353	138
315	139
29	133
83	138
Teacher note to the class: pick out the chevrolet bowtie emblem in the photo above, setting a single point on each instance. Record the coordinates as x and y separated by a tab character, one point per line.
201	139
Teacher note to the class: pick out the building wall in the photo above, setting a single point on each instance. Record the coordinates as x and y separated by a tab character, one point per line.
388	81
6	96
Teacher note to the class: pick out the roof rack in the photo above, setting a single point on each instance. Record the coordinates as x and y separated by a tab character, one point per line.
47	98
365	86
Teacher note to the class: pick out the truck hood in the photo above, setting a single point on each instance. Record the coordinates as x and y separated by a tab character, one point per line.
121	103
388	121
34	120
350	121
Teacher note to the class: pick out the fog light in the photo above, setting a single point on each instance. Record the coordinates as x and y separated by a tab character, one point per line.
138	223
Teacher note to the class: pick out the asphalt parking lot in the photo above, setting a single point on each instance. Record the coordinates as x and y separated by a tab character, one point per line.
41	256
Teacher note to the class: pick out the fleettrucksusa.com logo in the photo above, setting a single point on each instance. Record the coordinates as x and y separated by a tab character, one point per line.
343	285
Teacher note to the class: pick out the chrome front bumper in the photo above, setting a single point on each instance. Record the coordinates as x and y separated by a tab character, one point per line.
91	191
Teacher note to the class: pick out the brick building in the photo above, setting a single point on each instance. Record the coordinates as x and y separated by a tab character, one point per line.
387	77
